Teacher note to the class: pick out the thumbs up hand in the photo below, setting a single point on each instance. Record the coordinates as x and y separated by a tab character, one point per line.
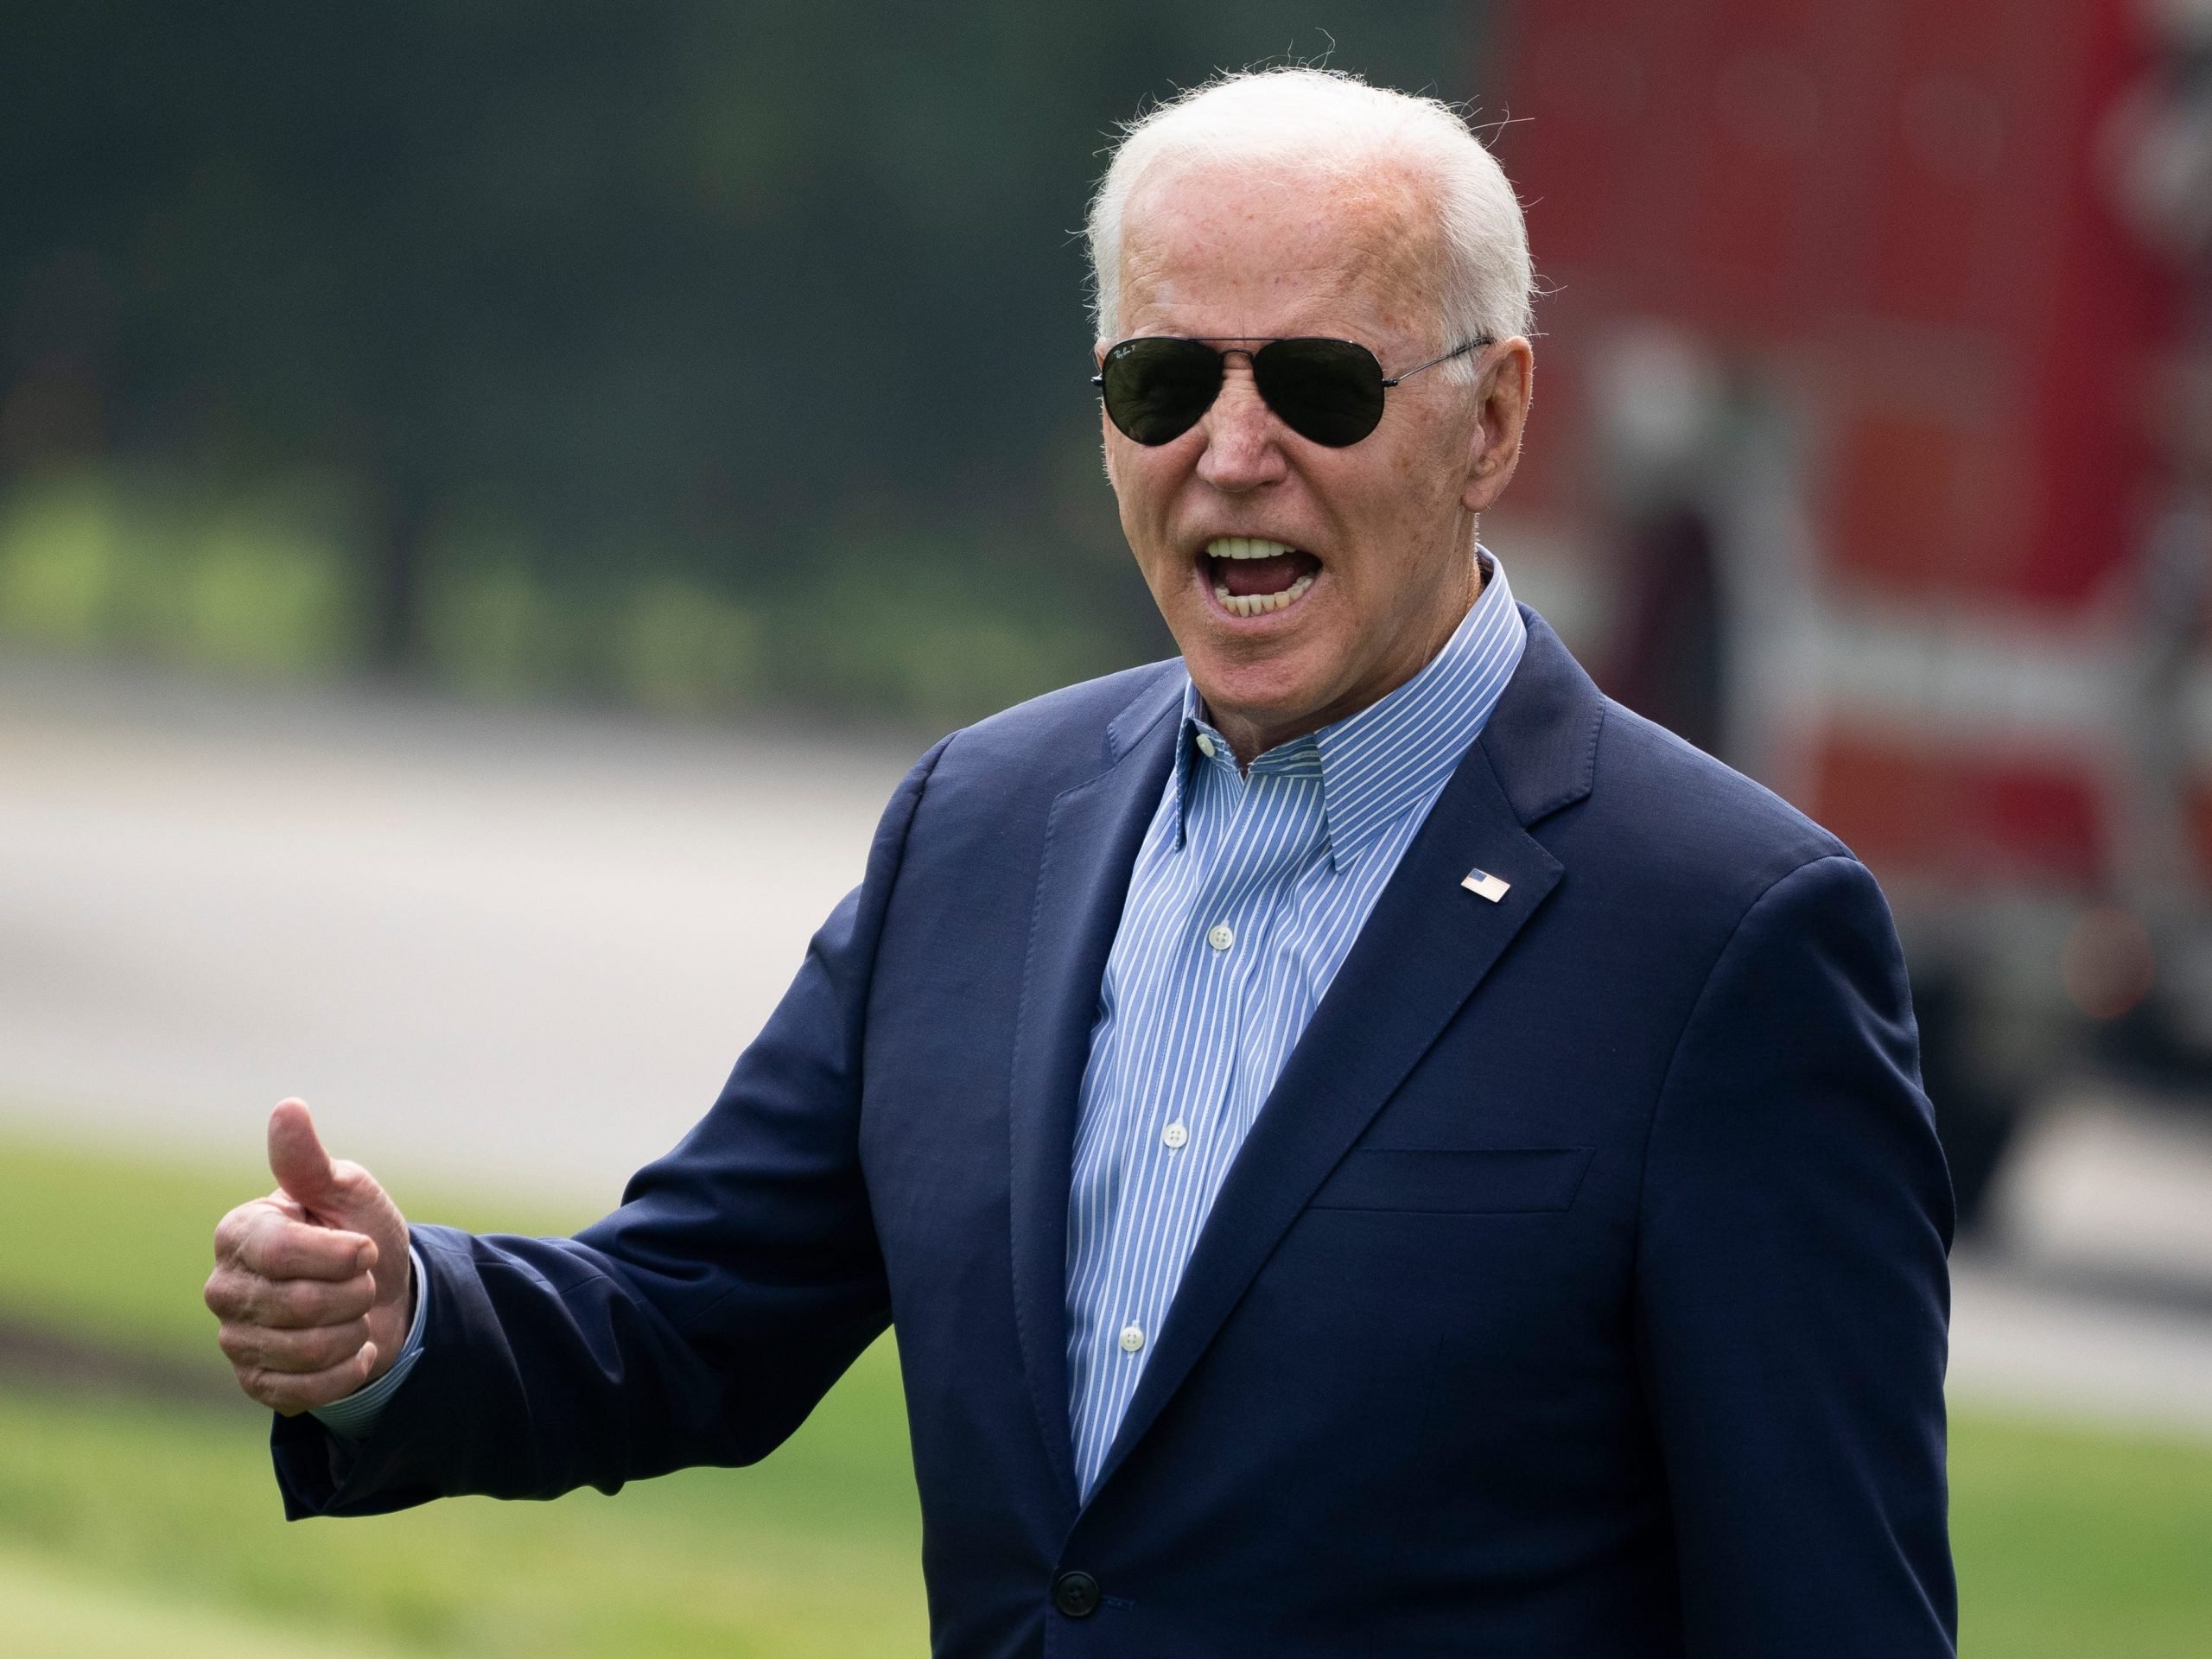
313	1284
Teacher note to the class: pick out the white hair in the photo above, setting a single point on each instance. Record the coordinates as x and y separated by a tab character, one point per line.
1326	122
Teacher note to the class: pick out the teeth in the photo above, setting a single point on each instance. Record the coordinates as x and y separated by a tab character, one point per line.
1255	547
1261	604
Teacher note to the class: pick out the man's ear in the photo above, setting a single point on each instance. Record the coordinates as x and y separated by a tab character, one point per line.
1501	411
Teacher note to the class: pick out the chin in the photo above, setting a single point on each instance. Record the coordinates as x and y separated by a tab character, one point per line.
1261	694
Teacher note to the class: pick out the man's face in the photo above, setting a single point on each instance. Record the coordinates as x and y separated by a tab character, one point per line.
1368	550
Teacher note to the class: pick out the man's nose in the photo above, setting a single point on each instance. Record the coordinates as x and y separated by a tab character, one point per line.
1244	449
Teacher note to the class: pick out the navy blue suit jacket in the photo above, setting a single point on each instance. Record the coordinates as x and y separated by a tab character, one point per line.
1580	1290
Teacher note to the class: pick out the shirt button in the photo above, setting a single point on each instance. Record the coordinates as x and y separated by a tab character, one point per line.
1131	1338
1174	1136
1222	935
1205	746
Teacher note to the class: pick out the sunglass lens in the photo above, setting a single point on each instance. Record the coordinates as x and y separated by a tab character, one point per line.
1330	390
1156	388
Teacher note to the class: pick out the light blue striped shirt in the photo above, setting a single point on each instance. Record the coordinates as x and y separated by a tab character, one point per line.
1246	894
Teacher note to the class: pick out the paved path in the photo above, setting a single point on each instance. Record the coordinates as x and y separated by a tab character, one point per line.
522	950
2095	1292
519	949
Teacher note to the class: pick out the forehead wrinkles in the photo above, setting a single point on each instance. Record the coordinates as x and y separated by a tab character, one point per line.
1200	234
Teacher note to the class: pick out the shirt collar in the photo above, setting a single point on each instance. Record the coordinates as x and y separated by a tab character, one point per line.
1399	750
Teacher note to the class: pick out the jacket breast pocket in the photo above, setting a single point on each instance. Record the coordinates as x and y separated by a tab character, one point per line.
1493	1181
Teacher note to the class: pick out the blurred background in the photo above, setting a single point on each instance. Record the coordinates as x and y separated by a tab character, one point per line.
492	498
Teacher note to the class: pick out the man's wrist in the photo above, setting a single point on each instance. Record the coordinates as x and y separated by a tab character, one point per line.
355	1417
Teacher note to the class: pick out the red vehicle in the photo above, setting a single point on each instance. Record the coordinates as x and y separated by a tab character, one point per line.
1871	451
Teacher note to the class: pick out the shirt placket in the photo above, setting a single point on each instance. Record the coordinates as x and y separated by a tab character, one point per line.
1240	916
1182	1151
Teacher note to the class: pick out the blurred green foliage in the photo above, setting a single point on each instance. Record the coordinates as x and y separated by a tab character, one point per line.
255	585
696	354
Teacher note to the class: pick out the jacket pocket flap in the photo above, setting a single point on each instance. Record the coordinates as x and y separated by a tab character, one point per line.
1500	1181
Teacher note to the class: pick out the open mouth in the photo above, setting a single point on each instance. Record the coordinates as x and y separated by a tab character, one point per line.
1252	576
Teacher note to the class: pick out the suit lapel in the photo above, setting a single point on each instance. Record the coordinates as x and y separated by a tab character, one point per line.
1091	846
1426	945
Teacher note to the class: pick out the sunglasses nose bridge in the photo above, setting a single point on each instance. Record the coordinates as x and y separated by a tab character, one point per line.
1240	400
1242	430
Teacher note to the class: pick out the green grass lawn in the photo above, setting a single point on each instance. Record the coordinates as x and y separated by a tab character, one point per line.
118	1515
129	1528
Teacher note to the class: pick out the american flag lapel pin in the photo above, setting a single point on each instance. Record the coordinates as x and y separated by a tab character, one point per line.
1484	885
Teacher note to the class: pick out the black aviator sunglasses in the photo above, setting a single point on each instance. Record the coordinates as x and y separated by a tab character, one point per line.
1156	387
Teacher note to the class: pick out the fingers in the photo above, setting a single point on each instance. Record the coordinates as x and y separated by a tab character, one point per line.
301	1167
262	1239
236	1293
294	1392
293	1353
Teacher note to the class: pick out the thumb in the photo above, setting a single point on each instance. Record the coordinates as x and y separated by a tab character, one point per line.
296	1158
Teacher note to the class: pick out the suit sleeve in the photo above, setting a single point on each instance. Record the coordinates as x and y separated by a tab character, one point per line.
1793	1293
698	1324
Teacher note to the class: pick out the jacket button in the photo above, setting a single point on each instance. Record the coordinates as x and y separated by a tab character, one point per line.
1075	1594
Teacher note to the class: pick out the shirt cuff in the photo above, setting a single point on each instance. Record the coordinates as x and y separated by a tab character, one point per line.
355	1418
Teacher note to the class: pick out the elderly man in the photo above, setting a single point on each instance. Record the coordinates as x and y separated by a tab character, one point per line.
1370	1147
